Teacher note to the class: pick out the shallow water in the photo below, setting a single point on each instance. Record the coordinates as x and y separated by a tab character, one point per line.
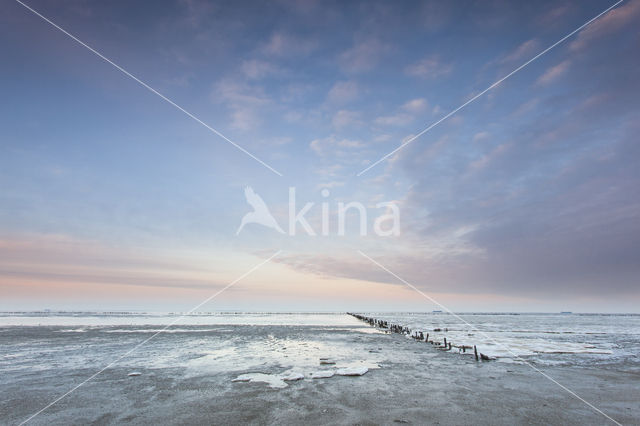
88	319
197	344
219	341
545	338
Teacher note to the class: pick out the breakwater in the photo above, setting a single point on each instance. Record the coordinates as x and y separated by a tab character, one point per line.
421	336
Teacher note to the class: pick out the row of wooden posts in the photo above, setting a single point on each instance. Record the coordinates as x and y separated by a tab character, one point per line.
419	335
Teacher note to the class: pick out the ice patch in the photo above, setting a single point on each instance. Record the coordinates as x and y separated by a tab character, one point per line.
134	374
322	374
352	371
293	376
157	330
271	380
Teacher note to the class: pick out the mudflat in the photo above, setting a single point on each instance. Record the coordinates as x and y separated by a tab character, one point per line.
186	376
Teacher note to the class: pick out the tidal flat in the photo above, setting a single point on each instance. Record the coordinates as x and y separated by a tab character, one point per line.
187	376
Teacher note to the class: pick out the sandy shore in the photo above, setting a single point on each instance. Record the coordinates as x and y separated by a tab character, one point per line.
415	384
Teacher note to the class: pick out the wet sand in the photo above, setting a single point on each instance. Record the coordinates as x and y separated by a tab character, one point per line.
186	379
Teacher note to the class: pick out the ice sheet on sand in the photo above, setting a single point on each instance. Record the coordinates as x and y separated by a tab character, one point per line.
271	380
352	371
322	374
293	376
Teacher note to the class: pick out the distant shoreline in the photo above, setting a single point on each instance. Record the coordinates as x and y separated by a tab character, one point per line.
239	312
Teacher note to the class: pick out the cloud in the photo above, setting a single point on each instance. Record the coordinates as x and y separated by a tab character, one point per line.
414	158
345	118
560	217
280	141
255	69
332	146
363	56
405	115
613	21
329	185
548	203
553	73
481	136
333	266
282	44
399	119
521	229
196	12
434	15
383	137
486	159
526	107
430	67
415	106
552	17
246	102
342	92
525	51
245	118
303	7
46	259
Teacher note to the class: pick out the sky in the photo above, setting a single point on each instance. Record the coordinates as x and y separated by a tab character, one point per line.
525	199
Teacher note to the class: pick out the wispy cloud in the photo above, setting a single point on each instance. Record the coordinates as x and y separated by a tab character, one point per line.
343	91
246	102
553	73
346	118
363	56
334	146
405	114
481	136
46	259
416	106
284	44
400	119
525	51
615	20
430	67
256	69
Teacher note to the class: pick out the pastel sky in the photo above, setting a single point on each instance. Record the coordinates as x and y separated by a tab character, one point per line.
528	199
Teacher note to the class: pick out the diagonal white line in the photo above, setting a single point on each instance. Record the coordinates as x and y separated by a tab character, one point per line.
146	86
407	142
153	335
473	328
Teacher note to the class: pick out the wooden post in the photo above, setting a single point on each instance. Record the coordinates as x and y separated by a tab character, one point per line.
475	351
